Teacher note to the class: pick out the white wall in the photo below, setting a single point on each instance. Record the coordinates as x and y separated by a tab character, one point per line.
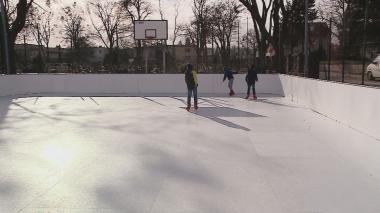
358	107
355	106
128	84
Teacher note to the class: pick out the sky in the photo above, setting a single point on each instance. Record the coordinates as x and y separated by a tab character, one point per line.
185	14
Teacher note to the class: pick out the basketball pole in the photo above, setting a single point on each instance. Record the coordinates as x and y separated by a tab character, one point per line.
146	59
164	56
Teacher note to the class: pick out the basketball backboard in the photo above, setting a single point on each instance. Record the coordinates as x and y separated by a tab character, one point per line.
151	29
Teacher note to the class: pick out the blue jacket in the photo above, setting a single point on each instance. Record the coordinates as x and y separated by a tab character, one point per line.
228	74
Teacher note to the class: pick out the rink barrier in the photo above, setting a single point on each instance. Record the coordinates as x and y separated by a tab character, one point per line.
126	84
352	105
355	106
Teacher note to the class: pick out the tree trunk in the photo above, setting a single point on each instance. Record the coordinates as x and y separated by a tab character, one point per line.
12	58
263	50
261	44
276	35
47	53
2	54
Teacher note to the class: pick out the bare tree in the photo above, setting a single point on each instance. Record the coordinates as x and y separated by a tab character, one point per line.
249	39
160	10
249	43
47	32
269	11
16	14
74	29
41	27
189	32
138	10
334	10
260	23
108	23
225	14
202	25
177	26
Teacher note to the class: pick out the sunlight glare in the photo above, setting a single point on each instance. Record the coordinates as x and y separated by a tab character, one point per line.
58	155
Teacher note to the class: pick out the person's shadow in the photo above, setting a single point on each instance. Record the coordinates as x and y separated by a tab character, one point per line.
217	113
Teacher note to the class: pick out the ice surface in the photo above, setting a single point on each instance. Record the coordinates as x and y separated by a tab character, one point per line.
148	154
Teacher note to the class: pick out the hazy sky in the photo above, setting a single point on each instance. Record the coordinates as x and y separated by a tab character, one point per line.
185	11
185	14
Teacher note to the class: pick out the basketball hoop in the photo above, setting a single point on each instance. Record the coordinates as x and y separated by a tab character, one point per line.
151	30
150	34
150	37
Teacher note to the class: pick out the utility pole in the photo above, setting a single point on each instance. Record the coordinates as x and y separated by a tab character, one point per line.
254	53
59	54
330	50
39	41
198	43
365	38
117	49
343	42
146	58
25	54
239	46
164	56
213	52
306	45
247	49
279	54
5	38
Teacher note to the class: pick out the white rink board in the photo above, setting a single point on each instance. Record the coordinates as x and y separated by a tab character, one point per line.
160	26
355	106
128	84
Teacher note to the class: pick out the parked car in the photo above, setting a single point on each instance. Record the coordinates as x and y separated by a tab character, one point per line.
155	70
373	70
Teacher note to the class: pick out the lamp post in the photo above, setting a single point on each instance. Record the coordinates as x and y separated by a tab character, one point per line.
247	49
365	39
238	25
344	42
306	42
5	37
330	50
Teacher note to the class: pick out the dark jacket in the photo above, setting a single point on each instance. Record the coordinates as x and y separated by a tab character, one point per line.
251	76
228	74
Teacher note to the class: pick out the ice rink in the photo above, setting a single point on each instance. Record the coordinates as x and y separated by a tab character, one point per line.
148	154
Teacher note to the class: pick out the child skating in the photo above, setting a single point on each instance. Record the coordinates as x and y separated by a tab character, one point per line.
192	86
228	74
251	79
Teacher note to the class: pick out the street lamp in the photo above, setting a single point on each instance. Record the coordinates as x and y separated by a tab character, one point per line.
5	37
306	46
366	4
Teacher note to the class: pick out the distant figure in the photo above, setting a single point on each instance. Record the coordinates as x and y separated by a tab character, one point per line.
251	80
192	86
228	74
